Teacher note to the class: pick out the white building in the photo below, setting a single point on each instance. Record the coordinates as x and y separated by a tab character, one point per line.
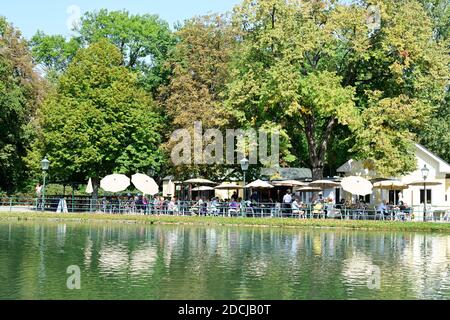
437	196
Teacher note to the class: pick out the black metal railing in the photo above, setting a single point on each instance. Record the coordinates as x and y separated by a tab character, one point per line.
117	205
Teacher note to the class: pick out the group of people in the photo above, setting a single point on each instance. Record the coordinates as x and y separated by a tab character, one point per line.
291	205
399	211
139	204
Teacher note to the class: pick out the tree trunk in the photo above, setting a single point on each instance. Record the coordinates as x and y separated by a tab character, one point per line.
317	172
317	151
94	200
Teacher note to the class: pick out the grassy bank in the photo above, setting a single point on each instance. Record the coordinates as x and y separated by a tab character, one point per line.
225	221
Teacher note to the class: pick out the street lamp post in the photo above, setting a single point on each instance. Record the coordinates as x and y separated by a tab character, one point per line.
45	164
425	172
244	166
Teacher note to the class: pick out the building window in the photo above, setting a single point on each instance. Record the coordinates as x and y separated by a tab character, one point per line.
338	195
428	196
365	199
394	196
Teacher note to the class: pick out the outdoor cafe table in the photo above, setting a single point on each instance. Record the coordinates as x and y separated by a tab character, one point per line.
394	213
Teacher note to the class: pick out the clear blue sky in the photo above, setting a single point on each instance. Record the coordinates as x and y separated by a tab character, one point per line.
52	16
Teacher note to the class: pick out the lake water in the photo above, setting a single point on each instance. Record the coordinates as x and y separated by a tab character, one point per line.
188	262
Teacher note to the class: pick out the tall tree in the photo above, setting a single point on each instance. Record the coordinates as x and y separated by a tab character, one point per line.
436	135
439	12
21	91
406	84
98	121
53	53
199	72
316	66
143	40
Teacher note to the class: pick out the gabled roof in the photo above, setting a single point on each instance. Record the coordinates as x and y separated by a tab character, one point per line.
354	165
350	166
284	174
444	167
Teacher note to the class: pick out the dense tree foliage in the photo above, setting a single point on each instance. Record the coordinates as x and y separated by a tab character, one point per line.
336	79
21	91
143	40
98	120
316	65
199	73
53	53
436	134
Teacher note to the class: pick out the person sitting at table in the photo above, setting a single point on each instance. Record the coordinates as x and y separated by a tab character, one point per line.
214	206
254	197
304	207
341	204
402	206
318	208
295	206
233	207
405	209
321	199
296	209
196	208
382	208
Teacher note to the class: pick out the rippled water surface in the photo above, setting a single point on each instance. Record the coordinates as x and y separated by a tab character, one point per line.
185	262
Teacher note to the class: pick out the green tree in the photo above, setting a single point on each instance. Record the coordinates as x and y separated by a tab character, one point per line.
318	67
21	91
143	40
436	135
406	83
53	53
439	11
98	121
198	69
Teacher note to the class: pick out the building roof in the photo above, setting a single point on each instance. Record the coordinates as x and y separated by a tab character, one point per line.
287	173
357	166
350	166
444	167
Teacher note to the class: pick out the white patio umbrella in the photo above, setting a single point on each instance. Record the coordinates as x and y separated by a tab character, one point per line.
357	186
324	184
115	183
289	183
427	183
198	181
230	186
203	188
259	184
391	185
89	188
145	184
308	189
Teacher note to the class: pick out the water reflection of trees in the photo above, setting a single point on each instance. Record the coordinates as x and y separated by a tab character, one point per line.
185	262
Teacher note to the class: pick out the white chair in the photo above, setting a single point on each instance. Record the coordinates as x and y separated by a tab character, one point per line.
430	213
446	216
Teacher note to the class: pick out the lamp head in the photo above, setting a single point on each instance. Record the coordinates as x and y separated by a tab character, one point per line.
244	164
425	172
151	171
45	164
